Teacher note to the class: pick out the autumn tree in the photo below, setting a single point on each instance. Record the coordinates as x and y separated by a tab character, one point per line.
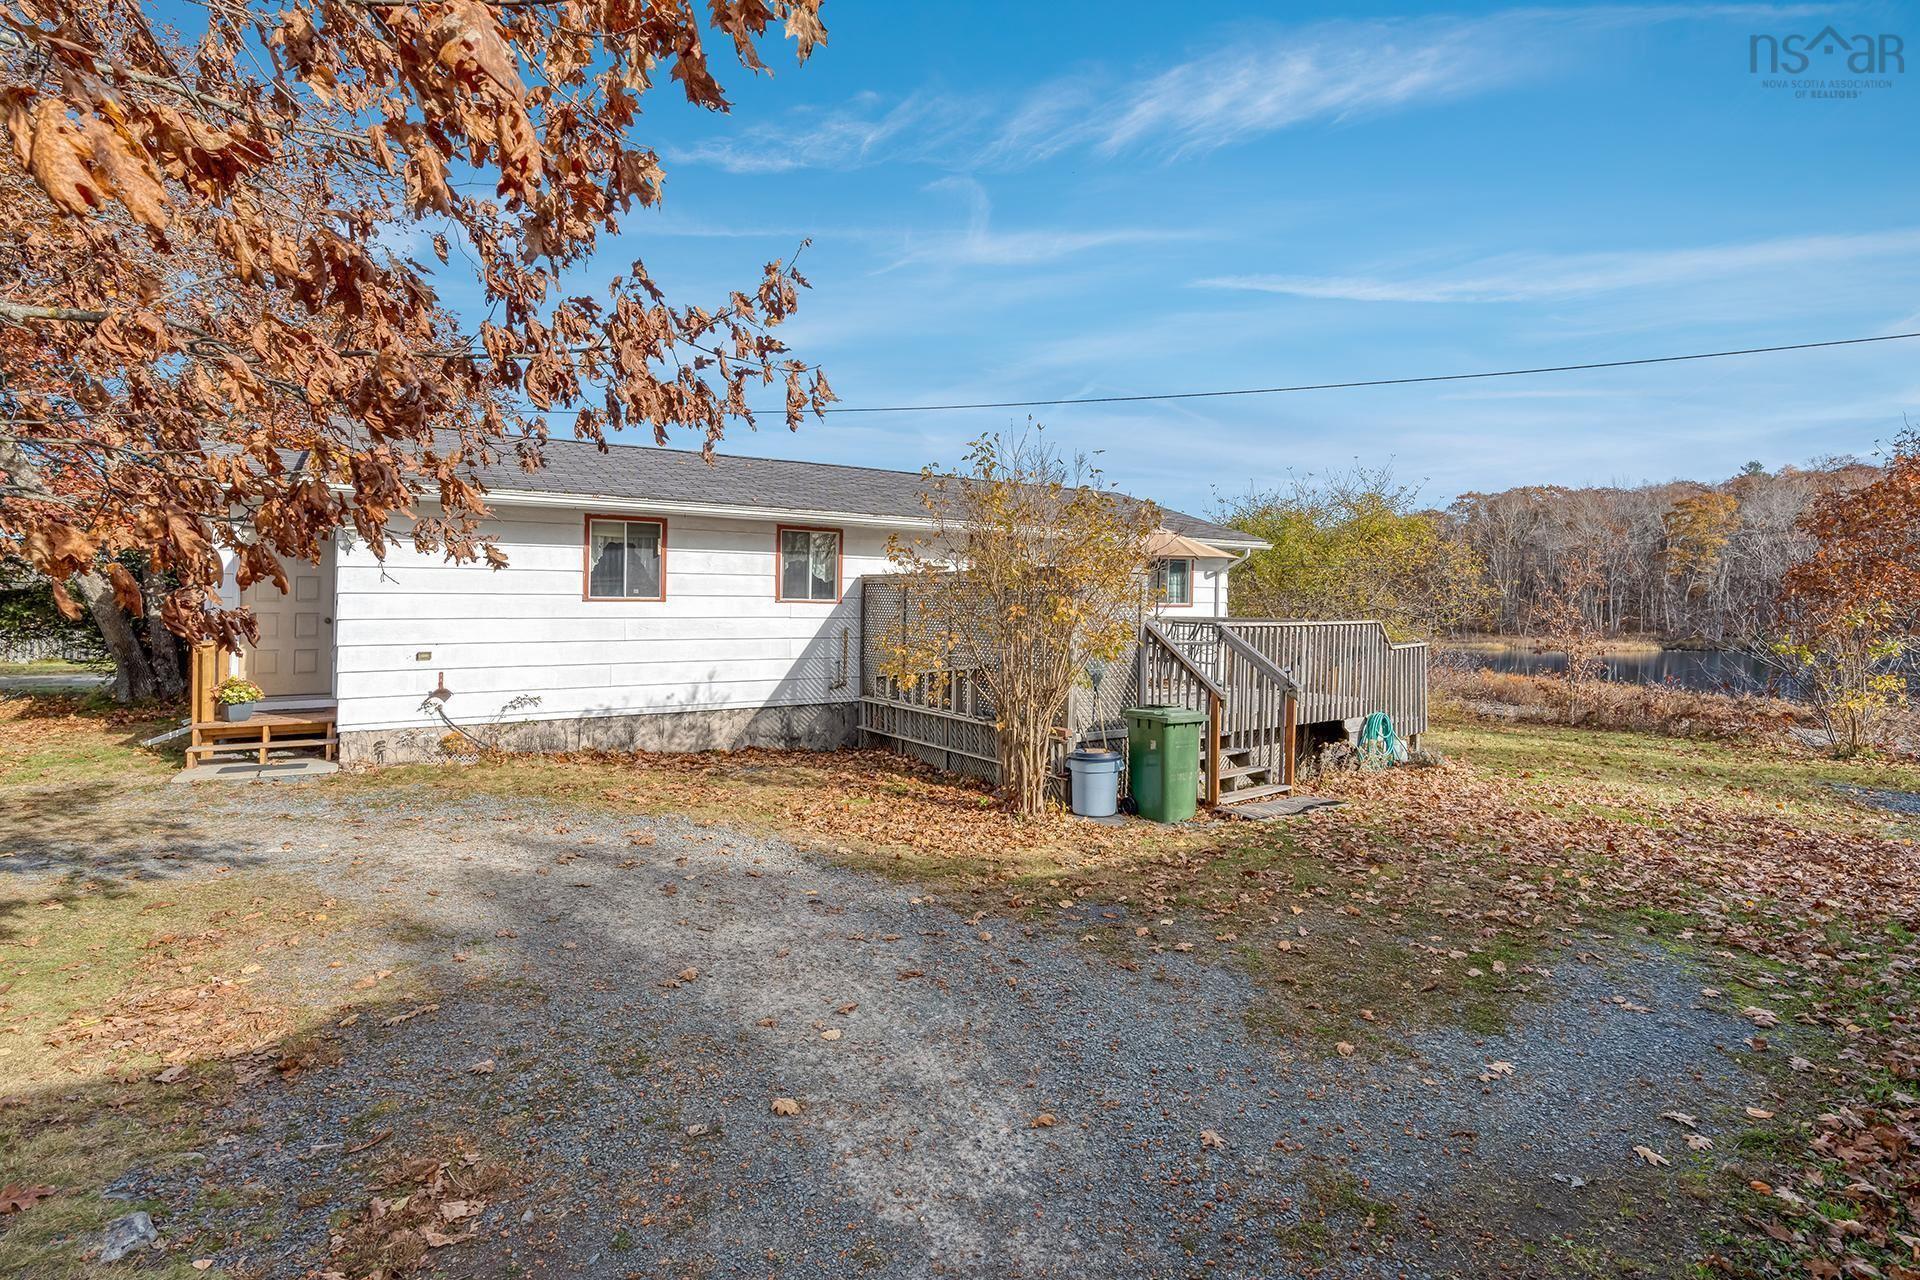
1565	624
1699	529
1677	558
1034	572
1850	612
214	343
1354	544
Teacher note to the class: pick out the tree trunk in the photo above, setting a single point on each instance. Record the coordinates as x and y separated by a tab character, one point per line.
165	649
1023	766
133	677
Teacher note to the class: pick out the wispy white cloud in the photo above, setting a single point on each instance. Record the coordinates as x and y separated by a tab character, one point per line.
864	131
1257	80
1263	81
1536	277
980	244
1331	72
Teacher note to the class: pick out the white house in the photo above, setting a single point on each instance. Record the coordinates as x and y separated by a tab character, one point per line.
651	600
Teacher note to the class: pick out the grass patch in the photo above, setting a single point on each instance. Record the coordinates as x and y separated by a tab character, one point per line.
133	1003
1645	777
84	959
50	742
80	1142
1337	1214
54	667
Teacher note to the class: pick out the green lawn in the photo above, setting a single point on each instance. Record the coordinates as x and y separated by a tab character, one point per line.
1651	774
54	667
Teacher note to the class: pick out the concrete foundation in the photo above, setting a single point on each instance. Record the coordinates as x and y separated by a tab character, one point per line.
286	769
813	727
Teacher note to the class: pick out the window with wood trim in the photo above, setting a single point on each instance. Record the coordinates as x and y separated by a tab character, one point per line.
1173	581
809	564
626	559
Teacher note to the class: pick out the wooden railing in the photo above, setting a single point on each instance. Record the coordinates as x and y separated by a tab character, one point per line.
1343	670
1261	709
207	666
1256	680
956	689
944	717
1406	690
1198	638
1168	677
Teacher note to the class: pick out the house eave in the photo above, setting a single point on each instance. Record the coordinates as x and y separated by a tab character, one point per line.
734	511
724	511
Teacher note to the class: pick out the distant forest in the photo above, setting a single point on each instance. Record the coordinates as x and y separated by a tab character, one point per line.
1676	561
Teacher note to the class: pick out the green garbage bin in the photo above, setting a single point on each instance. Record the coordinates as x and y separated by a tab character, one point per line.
1163	760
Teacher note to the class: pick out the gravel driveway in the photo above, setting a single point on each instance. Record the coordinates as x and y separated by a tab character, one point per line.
631	1094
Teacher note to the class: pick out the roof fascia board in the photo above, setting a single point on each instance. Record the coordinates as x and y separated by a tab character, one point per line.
725	511
728	511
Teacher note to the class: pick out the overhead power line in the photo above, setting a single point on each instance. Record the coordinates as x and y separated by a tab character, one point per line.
1372	382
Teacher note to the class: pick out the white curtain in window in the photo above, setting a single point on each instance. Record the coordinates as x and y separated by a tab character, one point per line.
643	559
1174	581
809	564
623	559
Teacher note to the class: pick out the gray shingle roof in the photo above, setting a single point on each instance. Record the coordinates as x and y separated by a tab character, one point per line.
576	468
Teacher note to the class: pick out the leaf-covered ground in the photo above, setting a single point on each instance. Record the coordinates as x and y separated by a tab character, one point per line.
1574	1003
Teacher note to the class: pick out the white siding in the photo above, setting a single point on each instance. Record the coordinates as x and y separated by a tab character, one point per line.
719	639
1209	592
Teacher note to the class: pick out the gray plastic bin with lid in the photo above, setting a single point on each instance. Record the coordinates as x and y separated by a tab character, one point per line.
1096	782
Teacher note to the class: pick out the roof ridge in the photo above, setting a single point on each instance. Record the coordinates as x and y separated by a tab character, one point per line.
742	457
1214	529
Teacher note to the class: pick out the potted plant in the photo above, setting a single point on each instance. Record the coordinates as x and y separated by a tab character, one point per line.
236	697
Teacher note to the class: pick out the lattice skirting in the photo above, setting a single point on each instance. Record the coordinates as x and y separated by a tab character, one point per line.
947	741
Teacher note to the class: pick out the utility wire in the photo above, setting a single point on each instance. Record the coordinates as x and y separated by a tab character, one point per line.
1373	382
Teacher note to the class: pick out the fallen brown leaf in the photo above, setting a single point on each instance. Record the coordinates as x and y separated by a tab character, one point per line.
16	1196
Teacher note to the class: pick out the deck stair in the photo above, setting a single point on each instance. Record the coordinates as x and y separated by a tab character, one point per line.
1255	768
1327	674
266	732
1250	704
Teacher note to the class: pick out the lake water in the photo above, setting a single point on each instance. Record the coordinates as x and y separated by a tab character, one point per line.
1707	670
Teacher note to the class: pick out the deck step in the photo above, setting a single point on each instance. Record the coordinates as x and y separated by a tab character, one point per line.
1254	793
1265	742
253	746
1243	770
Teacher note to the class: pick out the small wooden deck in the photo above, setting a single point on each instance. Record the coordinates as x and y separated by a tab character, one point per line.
1264	684
264	732
295	728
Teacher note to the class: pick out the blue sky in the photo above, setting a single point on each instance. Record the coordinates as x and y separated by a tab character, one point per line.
1017	201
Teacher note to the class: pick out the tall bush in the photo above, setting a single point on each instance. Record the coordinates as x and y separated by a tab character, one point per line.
1033	572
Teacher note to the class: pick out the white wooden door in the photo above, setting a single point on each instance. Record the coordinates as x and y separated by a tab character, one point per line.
295	655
